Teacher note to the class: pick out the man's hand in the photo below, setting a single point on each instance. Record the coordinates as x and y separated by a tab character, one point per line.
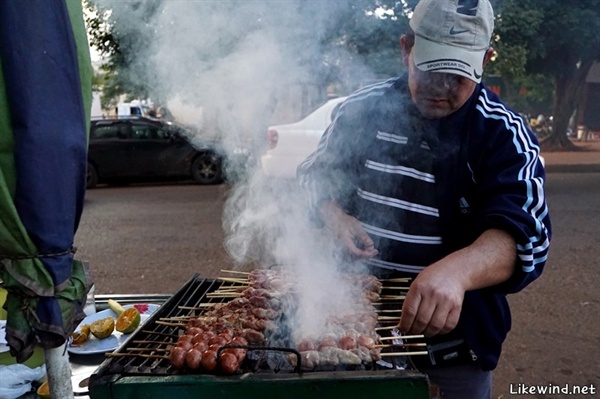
348	231
434	300
433	303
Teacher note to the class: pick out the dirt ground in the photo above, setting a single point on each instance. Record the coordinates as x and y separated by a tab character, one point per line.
153	238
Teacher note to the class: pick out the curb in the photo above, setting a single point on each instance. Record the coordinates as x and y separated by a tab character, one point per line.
573	168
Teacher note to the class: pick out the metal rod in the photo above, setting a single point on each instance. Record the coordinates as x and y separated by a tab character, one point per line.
58	369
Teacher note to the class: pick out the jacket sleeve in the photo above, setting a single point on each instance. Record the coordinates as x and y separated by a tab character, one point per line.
510	190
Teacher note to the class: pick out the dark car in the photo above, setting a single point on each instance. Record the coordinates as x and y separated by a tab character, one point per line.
143	148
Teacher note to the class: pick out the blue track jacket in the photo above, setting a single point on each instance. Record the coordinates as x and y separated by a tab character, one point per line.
487	172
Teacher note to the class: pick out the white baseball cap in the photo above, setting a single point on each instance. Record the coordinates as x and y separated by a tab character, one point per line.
452	36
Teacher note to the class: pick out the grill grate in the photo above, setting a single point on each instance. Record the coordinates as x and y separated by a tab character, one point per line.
152	342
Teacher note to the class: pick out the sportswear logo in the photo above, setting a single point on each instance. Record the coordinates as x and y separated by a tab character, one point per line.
457	32
477	76
464	206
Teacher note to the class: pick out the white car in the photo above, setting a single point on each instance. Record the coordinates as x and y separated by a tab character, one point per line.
288	145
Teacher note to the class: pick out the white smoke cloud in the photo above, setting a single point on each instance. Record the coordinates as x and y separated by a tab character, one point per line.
221	66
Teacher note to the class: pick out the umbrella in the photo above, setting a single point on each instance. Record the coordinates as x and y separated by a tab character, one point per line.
45	97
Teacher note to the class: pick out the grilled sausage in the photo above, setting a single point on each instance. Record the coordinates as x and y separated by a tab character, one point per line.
193	331
229	362
218	340
186	345
185	338
201	346
240	353
193	358
209	361
208	335
239	340
177	357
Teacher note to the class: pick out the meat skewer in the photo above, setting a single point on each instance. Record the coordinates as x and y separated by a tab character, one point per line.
417	353
251	308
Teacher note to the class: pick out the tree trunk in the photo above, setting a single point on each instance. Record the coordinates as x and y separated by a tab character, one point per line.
568	87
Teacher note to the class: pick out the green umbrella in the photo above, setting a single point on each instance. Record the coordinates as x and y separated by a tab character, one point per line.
45	97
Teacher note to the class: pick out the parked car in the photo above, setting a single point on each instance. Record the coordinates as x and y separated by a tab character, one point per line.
144	148
288	145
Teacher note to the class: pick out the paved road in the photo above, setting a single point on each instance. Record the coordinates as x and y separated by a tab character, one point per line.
153	238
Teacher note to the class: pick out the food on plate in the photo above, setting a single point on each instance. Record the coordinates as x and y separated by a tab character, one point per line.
44	391
128	321
81	336
103	328
115	306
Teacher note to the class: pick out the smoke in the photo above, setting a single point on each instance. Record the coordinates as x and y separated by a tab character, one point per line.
226	68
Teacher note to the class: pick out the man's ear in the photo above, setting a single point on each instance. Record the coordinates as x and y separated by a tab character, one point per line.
489	54
405	49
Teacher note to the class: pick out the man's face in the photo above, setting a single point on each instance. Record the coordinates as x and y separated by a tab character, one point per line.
436	94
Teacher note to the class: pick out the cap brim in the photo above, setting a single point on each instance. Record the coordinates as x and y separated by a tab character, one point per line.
431	56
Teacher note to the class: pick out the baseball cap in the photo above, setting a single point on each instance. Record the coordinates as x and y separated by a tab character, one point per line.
452	36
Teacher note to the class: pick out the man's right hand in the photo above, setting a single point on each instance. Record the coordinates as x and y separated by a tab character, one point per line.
348	231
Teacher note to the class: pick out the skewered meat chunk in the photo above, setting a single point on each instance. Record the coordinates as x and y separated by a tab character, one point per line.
363	353
372	296
347	342
252	336
309	359
375	354
245	320
366	341
306	345
345	357
327	342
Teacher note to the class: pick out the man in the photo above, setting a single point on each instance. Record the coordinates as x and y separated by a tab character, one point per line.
431	175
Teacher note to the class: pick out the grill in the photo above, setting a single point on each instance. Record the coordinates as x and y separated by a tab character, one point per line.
140	367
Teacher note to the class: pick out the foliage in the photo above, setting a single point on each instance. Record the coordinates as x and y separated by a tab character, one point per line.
549	41
356	46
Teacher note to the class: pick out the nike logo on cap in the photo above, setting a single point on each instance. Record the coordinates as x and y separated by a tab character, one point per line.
457	32
477	76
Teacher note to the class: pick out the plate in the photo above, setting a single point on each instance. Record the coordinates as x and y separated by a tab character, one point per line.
94	345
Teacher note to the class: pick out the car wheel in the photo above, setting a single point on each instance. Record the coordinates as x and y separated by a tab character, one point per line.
92	176
206	169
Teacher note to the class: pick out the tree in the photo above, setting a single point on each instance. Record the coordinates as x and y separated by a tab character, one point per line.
556	40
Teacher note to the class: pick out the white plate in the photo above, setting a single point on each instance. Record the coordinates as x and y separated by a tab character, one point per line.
94	345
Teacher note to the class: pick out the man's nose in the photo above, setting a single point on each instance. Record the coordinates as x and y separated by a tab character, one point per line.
445	80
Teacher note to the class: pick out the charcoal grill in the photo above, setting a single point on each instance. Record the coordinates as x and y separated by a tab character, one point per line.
151	376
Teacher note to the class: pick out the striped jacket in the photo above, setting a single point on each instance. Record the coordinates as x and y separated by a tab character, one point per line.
423	189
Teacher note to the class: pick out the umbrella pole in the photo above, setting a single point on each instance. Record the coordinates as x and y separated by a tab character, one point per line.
58	369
